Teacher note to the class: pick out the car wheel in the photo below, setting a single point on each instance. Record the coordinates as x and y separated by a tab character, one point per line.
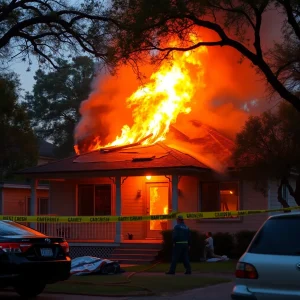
28	290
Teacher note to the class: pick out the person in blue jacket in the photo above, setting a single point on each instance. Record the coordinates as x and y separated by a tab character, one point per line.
181	246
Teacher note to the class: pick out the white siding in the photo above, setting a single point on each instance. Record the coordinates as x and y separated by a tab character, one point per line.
249	199
15	200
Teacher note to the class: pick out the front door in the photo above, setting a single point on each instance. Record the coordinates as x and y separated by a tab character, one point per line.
157	204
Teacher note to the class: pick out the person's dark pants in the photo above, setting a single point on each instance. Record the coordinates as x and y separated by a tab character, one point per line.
180	250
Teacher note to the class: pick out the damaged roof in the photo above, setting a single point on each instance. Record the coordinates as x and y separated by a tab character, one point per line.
157	156
206	141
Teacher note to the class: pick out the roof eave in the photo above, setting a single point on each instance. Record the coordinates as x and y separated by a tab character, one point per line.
120	172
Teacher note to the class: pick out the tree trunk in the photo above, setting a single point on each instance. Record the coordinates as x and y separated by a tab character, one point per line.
295	194
280	199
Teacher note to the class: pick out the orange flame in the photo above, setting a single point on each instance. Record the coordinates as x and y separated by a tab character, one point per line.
157	104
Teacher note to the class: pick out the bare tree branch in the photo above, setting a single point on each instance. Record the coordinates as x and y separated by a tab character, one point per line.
36	48
183	49
257	43
47	5
255	59
291	18
234	10
283	67
80	29
6	10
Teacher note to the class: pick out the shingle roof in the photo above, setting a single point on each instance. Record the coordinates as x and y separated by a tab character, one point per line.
211	142
157	156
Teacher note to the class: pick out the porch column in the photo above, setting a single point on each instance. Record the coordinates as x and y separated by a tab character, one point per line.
118	236
33	201
174	195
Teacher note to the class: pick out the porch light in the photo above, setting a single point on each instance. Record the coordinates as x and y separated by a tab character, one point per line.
148	177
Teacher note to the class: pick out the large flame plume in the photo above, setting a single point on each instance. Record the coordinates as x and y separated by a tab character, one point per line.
209	85
156	105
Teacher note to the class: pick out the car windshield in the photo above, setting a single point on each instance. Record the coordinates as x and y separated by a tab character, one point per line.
279	236
9	228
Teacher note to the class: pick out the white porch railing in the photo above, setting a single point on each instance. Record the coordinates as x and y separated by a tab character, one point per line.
80	231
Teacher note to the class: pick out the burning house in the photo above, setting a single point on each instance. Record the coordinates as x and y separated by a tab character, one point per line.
154	166
142	180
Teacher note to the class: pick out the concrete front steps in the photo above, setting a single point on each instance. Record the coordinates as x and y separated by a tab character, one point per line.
136	253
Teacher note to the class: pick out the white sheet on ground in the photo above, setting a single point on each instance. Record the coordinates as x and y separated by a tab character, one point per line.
87	265
224	258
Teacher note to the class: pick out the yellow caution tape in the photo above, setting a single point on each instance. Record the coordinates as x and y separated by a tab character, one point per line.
171	216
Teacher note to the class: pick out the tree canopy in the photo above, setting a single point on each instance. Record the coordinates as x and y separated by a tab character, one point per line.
54	103
52	29
151	25
19	148
268	146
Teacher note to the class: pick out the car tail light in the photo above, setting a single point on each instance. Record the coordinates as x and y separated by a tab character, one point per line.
245	270
14	247
65	247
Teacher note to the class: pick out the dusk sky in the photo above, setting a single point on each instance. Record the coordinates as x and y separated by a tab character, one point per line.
26	77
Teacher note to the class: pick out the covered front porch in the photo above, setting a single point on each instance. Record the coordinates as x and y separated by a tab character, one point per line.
100	196
121	181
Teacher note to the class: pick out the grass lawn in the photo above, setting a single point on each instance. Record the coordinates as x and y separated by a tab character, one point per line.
227	267
141	285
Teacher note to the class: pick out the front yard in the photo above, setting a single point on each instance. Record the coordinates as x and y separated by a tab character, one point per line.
117	285
226	267
147	282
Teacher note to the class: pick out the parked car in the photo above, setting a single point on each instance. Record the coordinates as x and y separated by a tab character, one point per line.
29	260
270	267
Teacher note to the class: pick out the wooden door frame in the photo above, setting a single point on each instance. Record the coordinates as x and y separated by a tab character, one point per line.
147	202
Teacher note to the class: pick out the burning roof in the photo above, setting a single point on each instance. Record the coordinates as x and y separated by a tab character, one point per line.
158	157
154	105
204	143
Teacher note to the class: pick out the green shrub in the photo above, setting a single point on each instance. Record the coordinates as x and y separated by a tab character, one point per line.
197	245
223	243
242	241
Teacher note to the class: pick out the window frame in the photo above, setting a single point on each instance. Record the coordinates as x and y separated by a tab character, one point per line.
39	204
27	205
233	219
94	198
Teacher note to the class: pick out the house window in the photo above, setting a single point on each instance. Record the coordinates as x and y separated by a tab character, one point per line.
219	196
42	206
94	200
